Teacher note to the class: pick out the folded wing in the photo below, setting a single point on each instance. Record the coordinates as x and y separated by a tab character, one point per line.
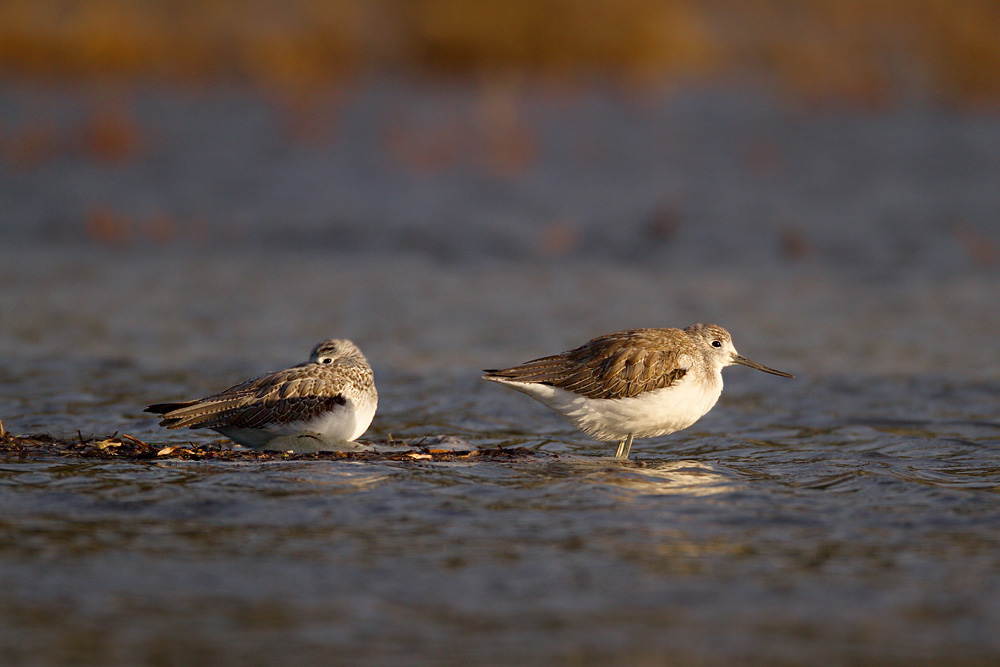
287	396
610	366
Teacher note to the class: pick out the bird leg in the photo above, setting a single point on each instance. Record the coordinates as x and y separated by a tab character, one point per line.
624	447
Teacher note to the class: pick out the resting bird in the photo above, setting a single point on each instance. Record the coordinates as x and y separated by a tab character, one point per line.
329	399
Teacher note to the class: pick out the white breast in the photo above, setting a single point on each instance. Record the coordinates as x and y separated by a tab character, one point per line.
647	415
345	423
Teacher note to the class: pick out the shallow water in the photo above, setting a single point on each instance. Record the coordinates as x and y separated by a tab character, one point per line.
850	514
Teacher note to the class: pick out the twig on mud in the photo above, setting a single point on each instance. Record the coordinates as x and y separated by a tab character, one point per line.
137	441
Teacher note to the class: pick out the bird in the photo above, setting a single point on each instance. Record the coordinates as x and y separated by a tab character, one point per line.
639	383
327	400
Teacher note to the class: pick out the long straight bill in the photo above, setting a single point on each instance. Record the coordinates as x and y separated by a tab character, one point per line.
740	359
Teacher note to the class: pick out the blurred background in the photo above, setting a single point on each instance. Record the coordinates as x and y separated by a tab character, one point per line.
563	127
679	141
859	54
195	192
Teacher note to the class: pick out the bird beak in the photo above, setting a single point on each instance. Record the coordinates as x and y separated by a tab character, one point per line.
743	361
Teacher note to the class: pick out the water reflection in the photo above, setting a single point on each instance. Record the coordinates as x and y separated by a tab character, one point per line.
693	478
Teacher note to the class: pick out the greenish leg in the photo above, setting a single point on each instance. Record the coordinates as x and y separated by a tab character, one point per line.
624	447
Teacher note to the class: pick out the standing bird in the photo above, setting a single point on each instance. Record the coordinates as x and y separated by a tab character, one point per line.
640	383
329	399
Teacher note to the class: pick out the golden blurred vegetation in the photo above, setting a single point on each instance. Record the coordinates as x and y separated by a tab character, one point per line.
862	51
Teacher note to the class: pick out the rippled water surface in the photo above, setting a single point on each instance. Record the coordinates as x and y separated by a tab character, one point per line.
849	515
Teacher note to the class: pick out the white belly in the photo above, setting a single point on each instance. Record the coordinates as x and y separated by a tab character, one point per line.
344	424
647	415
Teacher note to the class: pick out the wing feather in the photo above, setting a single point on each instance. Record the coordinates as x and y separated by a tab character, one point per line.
618	365
291	395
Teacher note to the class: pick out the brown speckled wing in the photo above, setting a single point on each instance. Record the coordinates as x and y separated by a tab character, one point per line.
281	411
618	365
295	394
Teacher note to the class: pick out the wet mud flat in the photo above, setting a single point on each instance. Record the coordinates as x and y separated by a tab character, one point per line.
125	447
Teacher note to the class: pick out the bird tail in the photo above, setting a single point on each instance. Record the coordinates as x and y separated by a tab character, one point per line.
164	409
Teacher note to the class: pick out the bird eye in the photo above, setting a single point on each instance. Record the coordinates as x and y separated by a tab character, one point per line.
716	343
327	360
